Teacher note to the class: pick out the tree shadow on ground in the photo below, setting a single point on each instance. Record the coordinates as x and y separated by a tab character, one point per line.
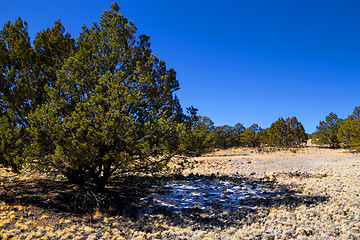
122	197
246	211
60	196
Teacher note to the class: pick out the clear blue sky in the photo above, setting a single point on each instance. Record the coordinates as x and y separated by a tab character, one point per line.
237	61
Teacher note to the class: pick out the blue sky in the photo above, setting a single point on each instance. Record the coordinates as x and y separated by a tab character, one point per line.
237	61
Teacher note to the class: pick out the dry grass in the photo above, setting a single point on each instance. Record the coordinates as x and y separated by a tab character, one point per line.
317	198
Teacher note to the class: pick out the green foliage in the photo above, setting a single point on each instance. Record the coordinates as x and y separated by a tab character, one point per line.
327	131
25	71
94	107
349	131
227	136
286	133
222	134
263	136
52	46
198	136
251	136
16	91
111	108
11	144
235	139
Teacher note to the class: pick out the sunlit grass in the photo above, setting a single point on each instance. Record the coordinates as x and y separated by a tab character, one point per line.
312	172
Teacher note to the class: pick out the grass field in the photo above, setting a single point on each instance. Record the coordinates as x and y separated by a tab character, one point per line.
244	193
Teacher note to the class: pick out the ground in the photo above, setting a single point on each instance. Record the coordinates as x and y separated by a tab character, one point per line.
310	193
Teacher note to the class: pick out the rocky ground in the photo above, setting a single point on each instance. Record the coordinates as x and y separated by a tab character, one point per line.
245	193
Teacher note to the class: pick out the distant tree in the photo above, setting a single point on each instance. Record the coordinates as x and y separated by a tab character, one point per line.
297	134
286	133
198	136
237	131
251	136
349	131
264	136
227	136
223	136
327	131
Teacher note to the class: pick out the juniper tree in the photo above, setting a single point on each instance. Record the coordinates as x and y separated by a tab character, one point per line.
297	135
223	137
251	136
349	131
112	108
199	136
327	131
286	133
236	135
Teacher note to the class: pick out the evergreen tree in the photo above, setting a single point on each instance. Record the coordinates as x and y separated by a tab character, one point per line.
112	108
223	137
277	132
236	136
297	134
286	133
327	131
251	136
199	135
349	131
263	136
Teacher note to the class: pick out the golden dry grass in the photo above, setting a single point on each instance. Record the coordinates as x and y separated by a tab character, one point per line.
310	173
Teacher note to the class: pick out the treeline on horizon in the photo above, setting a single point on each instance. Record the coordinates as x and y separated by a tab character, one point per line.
289	133
104	105
284	133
